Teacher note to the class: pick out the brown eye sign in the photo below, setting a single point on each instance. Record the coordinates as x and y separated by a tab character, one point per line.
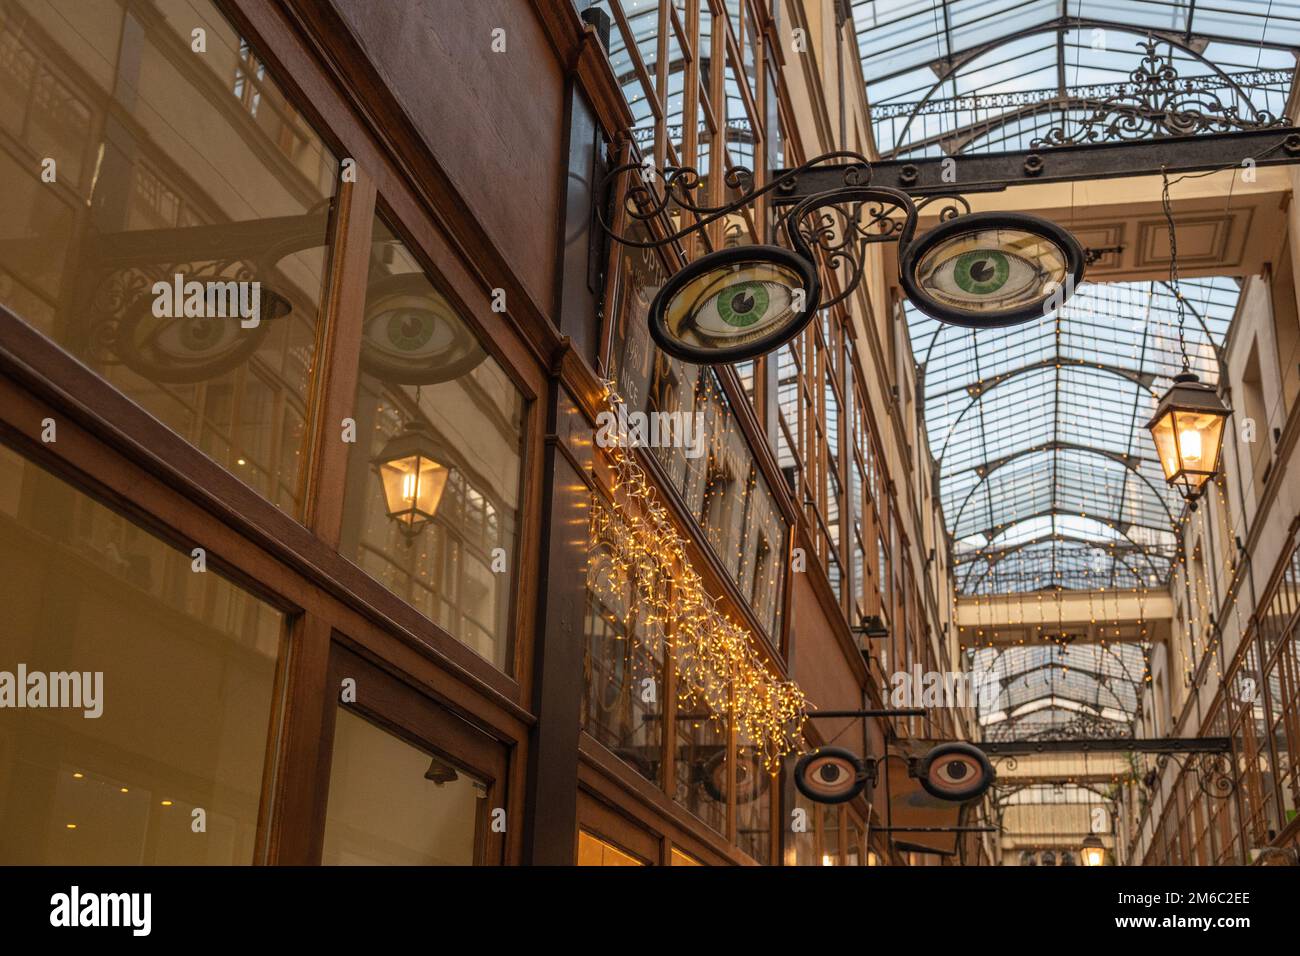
830	775
955	771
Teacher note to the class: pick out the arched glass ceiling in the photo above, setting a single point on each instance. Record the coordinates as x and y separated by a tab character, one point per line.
991	75
1046	470
1049	691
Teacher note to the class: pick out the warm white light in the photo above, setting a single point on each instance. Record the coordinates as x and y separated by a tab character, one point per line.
410	483
1093	851
1189	445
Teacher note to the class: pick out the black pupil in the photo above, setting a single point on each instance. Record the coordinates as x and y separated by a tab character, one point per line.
981	271
829	773
742	302
957	770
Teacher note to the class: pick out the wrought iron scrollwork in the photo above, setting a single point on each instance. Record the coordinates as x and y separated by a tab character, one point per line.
656	194
835	227
1156	101
1214	772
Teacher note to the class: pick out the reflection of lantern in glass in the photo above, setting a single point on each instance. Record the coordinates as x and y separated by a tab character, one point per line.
413	475
1093	851
1188	432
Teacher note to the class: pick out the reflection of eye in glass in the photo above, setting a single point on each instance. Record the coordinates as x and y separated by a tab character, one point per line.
192	348
956	771
412	336
830	775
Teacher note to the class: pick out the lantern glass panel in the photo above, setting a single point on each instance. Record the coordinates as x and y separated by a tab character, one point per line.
1162	432
413	487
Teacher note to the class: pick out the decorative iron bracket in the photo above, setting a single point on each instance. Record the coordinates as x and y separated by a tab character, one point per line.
745	300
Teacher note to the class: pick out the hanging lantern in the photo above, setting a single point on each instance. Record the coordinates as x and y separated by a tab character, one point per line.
1093	851
1187	429
413	473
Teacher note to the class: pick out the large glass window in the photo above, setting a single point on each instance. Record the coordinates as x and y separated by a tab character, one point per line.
391	804
719	482
133	165
442	535
623	668
701	764
146	689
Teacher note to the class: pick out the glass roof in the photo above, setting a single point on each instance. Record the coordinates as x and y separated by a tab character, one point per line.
1046	470
990	75
1050	691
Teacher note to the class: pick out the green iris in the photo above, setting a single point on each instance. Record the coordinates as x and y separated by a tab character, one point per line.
743	304
982	272
409	329
200	333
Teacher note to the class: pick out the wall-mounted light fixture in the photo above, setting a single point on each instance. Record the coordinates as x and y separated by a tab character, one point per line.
872	628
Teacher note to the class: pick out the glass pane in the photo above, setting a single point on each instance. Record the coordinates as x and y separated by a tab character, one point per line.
427	387
622	668
593	851
701	766
681	858
801	841
754	786
146	689
172	172
391	804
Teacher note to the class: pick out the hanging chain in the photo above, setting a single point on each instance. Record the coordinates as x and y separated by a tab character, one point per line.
1173	270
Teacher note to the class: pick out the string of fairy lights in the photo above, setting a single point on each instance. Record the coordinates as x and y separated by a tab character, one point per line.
646	569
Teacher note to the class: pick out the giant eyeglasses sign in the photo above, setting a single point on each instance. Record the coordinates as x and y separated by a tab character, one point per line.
735	304
979	270
989	270
954	771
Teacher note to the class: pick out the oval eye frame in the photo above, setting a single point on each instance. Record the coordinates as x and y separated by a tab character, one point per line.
440	368
738	255
714	767
273	306
859	775
980	782
981	222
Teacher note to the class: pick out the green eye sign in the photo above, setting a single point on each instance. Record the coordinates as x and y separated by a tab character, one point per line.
988	270
735	304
